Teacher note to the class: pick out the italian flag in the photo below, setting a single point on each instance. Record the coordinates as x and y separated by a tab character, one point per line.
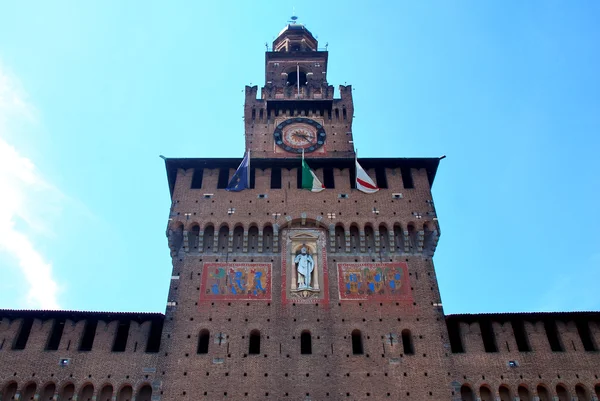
309	179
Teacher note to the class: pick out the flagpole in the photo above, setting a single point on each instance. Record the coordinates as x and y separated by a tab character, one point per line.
248	179
355	168
298	83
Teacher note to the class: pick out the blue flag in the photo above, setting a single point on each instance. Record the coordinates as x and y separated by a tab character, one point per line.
241	178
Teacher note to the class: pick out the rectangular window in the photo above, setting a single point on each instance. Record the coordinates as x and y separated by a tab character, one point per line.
456	345
276	178
121	336
23	336
153	344
407	179
583	329
252	177
381	177
299	178
197	178
553	337
55	335
328	178
223	180
487	335
518	327
89	333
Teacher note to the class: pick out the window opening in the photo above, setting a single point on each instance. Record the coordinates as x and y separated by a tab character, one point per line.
197	178
55	335
254	343
23	336
223	180
380	177
203	341
487	335
583	329
276	178
407	179
407	343
357	343
466	394
120	343
208	238
305	343
153	344
328	177
518	327
553	337
89	333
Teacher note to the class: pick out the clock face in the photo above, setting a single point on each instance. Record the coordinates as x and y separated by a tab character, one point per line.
298	134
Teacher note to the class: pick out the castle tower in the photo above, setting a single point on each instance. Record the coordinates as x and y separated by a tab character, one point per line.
283	293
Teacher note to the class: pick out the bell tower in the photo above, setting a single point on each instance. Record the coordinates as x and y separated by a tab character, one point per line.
297	111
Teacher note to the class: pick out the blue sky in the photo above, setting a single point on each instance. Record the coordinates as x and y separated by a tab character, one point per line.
92	92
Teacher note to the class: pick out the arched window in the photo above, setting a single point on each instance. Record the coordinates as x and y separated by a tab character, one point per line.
193	236
223	243
9	392
407	343
354	239
253	239
357	343
144	394
412	237
398	238
384	239
597	390
254	343
581	393
48	392
268	239
208	238
28	392
523	393
85	394
67	393
562	393
203	340
370	239
543	393
105	393
340	239
505	394
485	394
126	394
176	237
238	239
305	343
466	394
428	237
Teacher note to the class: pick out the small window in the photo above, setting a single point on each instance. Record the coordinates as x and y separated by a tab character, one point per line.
381	178
276	178
407	343
89	333
153	344
23	336
487	334
223	180
357	343
55	335
120	343
407	179
203	341
197	178
254	343
520	336
305	343
553	337
328	178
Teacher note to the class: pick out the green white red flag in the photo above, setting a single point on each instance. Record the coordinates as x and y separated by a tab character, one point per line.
309	179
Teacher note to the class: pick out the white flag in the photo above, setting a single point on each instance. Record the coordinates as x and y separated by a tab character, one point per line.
364	183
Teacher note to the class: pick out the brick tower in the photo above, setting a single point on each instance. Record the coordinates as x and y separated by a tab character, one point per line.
283	293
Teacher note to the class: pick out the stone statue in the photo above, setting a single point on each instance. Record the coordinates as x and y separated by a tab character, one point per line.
304	265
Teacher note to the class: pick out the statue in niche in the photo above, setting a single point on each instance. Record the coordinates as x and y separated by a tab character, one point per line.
304	266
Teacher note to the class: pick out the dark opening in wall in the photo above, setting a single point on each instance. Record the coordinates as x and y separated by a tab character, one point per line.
352	176
553	337
120	343
487	335
305	343
518	327
407	179
23	336
276	178
456	345
89	333
197	178
254	343
357	343
328	178
55	335
153	344
252	177
381	177
203	341
223	180
299	178
583	329
407	343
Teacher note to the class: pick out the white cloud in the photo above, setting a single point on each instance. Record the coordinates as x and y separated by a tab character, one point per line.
28	203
